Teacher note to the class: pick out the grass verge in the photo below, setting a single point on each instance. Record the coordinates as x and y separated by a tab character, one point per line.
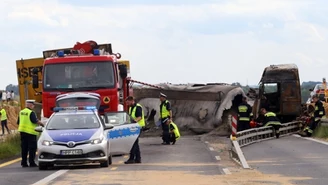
10	146
321	132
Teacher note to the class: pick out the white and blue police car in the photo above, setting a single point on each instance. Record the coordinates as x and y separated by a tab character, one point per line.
78	135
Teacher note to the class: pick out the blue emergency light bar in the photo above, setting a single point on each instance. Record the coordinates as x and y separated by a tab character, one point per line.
96	52
57	109
60	53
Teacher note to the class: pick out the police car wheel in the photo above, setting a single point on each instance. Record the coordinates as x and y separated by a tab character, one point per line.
104	163
110	160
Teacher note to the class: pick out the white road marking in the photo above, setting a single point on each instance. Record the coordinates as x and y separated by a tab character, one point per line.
206	142
50	177
218	158
311	139
226	171
211	148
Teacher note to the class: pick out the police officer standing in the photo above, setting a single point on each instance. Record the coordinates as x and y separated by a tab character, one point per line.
165	112
4	123
27	121
244	115
137	114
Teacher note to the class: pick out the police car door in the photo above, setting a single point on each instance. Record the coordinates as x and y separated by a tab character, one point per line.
124	133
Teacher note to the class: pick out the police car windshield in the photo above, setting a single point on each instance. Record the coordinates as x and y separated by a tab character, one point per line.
73	121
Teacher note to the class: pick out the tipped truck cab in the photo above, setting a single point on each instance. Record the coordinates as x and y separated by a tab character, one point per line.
280	92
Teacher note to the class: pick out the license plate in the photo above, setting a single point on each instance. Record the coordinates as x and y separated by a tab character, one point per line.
71	152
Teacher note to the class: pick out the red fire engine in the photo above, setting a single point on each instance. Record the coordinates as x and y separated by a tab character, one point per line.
87	67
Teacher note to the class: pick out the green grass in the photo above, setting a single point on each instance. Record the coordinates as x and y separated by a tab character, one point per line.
321	132
10	146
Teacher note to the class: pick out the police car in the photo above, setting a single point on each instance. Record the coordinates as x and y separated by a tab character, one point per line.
78	135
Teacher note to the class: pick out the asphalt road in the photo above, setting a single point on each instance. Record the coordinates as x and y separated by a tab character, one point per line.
188	156
291	156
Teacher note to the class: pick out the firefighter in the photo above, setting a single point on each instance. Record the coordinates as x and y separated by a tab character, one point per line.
324	87
319	112
244	115
137	114
27	121
174	130
270	119
165	112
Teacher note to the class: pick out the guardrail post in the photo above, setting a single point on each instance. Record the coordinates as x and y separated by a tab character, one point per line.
234	125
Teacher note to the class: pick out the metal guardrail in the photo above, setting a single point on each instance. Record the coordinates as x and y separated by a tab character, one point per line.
255	135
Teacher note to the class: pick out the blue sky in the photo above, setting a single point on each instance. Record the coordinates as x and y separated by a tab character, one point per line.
191	41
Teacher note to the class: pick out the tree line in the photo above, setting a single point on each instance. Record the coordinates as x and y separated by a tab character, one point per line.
12	87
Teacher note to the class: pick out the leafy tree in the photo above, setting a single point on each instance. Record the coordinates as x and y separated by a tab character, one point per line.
12	87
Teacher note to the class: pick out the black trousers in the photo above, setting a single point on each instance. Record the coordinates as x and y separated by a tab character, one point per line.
3	126
172	137
166	132
135	151
313	125
28	146
243	125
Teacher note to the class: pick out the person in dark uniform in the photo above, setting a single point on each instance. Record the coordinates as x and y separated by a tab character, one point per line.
270	119
319	112
174	130
244	115
165	112
27	121
137	114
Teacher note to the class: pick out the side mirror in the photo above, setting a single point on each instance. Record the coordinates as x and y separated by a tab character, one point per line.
39	129
123	71
108	126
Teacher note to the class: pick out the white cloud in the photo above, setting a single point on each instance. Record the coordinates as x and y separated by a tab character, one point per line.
153	37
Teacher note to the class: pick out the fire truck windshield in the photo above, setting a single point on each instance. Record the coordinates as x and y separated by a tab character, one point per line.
78	75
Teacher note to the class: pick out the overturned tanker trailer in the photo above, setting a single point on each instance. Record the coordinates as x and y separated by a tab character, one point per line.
201	108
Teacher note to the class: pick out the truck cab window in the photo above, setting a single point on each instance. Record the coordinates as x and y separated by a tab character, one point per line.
272	94
269	88
83	75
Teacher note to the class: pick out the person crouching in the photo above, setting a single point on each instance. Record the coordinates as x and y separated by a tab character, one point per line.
174	130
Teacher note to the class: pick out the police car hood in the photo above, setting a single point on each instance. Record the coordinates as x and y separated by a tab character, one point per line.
75	135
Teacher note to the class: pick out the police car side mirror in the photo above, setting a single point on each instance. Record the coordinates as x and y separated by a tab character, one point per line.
108	126
39	129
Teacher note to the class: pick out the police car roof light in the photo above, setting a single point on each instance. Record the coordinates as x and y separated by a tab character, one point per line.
96	52
60	53
57	109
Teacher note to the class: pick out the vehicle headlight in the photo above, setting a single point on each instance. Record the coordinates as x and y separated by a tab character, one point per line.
47	143
96	141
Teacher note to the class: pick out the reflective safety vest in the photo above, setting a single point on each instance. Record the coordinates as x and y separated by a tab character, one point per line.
175	130
242	112
3	114
25	123
272	119
164	112
132	112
